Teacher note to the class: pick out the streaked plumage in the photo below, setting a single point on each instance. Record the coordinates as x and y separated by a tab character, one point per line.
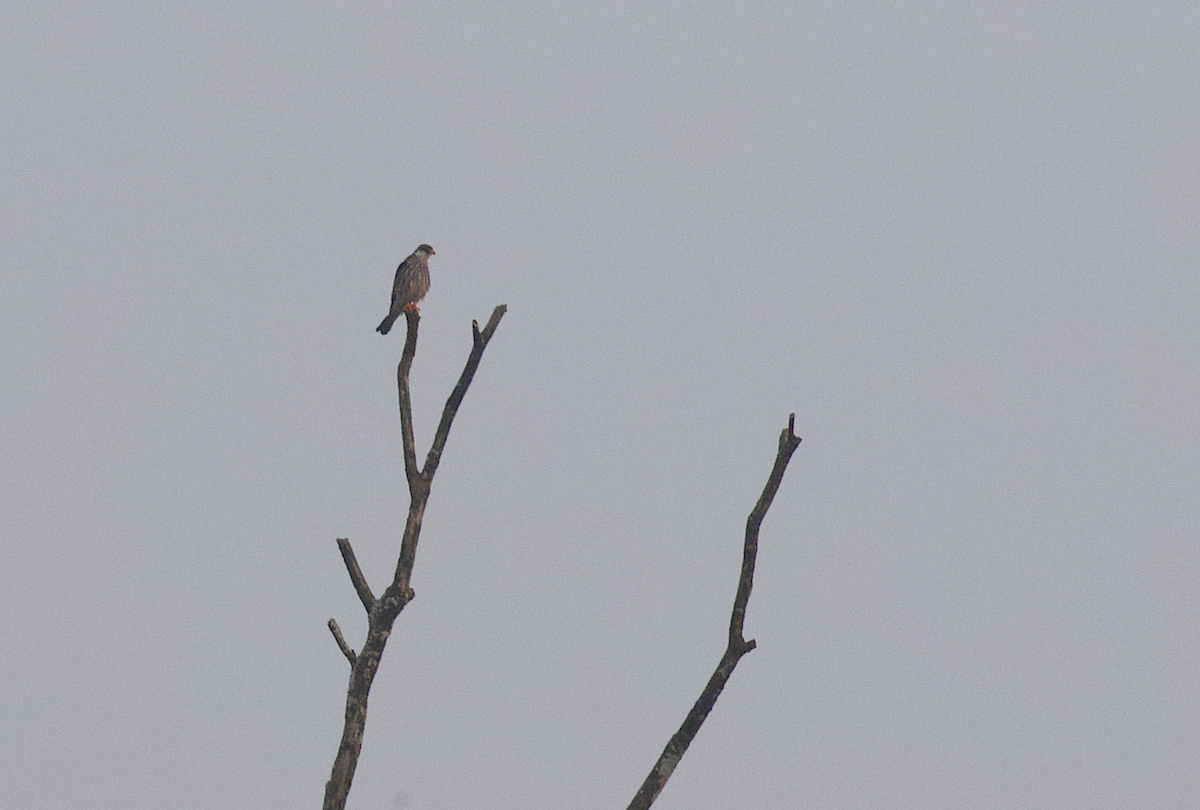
410	286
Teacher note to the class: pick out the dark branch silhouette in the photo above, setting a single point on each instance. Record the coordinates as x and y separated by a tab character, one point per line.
356	574
341	641
382	612
738	645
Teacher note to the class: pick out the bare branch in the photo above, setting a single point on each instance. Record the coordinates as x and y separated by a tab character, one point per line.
788	442
406	425
382	612
399	590
480	340
737	646
341	641
356	574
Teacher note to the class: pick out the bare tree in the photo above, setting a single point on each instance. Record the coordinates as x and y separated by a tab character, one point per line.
382	612
738	645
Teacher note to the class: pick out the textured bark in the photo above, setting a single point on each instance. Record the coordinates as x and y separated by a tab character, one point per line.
738	645
382	612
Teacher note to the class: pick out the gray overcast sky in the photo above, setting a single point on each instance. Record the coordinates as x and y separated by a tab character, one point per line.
959	240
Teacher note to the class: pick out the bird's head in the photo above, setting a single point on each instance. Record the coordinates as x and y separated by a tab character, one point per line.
426	249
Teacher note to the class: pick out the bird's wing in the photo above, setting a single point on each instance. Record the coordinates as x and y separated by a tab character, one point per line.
400	271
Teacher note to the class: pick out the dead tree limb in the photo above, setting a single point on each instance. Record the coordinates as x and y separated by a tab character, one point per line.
341	641
382	612
738	645
356	574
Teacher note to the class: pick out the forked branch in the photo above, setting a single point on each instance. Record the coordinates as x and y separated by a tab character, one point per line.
382	612
738	645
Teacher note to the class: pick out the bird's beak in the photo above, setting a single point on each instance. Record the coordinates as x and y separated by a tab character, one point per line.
432	251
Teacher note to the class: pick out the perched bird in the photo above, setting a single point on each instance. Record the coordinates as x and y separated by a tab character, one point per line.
412	282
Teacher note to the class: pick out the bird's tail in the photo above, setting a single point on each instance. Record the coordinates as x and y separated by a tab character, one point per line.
386	325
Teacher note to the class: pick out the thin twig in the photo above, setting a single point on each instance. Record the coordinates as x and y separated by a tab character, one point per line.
480	341
341	641
356	574
737	646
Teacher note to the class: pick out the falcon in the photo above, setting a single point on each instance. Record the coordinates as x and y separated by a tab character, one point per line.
410	286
